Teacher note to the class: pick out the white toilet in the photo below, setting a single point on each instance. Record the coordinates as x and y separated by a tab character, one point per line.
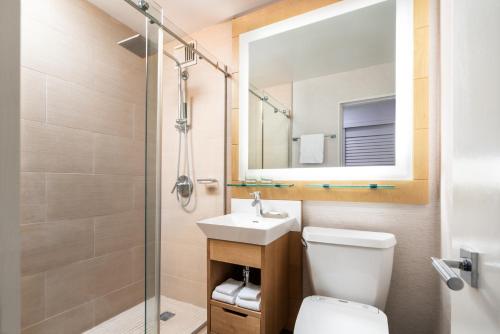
350	272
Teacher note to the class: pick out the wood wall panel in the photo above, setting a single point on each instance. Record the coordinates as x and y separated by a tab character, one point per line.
421	13
412	192
235	135
275	12
235	164
421	52
420	154
420	103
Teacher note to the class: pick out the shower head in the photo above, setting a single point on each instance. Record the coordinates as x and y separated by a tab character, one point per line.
137	45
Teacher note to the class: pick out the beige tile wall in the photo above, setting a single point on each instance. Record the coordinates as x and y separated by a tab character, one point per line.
183	244
82	163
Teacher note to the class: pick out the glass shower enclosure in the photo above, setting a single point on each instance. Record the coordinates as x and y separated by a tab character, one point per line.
90	169
91	128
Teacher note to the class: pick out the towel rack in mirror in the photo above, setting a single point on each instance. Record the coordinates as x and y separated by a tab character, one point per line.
326	136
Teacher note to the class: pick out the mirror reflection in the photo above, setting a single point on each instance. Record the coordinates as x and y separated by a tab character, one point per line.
323	95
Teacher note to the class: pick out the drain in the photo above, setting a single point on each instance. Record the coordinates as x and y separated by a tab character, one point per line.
166	316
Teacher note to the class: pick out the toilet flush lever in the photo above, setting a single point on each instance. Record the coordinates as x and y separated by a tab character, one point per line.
468	270
304	242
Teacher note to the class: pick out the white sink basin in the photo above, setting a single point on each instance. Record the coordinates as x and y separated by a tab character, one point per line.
246	228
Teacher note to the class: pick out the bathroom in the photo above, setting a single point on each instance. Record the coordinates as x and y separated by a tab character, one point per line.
252	166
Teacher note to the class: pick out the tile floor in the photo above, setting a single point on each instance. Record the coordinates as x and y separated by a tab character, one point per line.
188	319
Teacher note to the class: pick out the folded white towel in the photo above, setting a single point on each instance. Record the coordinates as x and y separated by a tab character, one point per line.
312	149
250	292
248	304
229	287
222	297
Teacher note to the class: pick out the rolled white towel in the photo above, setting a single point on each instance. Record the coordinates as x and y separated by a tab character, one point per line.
222	297
248	304
229	287
250	292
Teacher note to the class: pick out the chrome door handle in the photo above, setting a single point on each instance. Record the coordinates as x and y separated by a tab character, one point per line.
452	280
468	270
303	241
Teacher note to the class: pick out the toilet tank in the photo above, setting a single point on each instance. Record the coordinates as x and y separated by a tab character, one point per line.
349	264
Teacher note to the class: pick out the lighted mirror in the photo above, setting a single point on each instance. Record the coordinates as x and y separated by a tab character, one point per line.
327	94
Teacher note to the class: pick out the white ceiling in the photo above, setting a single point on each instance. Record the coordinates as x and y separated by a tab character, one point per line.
193	15
188	15
354	40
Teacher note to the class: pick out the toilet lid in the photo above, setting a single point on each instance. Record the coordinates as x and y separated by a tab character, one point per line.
322	315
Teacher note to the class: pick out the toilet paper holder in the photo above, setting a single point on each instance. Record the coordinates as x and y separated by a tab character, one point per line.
468	265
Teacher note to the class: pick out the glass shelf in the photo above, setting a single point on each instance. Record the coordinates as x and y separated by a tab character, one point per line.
261	185
346	186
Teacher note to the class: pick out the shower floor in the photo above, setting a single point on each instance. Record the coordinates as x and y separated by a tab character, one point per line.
188	319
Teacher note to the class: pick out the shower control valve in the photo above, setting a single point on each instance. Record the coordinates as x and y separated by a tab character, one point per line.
183	185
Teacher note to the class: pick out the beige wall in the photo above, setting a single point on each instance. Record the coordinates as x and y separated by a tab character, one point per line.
414	300
183	244
82	208
9	167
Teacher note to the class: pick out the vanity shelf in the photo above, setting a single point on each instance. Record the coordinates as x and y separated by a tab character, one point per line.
268	267
261	185
346	186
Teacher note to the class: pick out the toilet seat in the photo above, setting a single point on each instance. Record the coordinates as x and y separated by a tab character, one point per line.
325	315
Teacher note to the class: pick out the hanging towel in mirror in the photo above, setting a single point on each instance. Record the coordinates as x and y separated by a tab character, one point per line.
312	148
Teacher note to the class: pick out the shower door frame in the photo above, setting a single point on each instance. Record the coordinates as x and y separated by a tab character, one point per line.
10	35
152	182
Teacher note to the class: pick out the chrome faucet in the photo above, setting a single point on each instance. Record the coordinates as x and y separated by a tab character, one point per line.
257	203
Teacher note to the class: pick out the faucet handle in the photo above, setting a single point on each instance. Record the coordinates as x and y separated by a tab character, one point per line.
256	195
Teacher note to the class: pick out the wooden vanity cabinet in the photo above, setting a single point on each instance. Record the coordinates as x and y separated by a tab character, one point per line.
226	259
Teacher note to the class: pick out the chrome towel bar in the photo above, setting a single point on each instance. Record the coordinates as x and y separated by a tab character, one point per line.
467	266
326	136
